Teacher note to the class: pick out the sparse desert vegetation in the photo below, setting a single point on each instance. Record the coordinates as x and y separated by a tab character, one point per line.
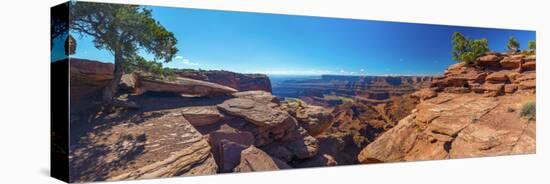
529	110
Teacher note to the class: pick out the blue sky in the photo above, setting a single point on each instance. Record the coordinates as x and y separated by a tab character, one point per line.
301	45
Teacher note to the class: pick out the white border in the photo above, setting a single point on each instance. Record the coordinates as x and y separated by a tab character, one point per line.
24	96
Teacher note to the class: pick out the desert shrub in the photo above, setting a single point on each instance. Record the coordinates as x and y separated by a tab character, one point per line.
511	109
467	50
528	110
512	45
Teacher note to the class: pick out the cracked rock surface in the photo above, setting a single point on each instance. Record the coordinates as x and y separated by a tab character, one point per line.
457	126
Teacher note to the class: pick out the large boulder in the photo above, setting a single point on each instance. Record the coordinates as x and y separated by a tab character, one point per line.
227	145
260	113
254	159
315	119
271	124
202	115
184	86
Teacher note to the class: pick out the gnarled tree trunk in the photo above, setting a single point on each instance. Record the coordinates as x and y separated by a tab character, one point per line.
112	87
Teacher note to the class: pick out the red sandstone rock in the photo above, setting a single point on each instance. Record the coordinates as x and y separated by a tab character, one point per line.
456	126
254	159
488	60
183	86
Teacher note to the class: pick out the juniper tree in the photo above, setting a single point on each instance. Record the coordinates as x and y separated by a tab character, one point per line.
123	30
467	50
513	45
532	45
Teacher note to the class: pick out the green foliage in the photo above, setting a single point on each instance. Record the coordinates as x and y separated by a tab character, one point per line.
532	44
513	45
528	110
123	29
152	68
467	50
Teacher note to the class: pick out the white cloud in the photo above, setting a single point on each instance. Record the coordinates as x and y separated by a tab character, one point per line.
187	62
362	70
179	57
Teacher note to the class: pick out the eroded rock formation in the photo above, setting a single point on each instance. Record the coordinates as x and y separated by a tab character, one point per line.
181	85
471	112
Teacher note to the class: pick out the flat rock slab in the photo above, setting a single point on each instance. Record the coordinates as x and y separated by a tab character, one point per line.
257	96
259	113
147	145
184	86
201	115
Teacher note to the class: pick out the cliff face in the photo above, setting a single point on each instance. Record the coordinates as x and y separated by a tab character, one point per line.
240	82
471	111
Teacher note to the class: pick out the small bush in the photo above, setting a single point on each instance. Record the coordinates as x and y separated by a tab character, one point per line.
511	109
528	110
467	50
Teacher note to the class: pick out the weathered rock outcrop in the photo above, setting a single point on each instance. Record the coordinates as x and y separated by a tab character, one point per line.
454	120
184	86
254	159
271	124
227	145
315	119
493	74
456	126
202	115
162	144
240	82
